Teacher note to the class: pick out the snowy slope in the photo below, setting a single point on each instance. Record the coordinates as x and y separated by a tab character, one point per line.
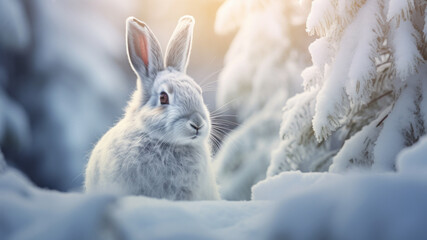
291	205
359	206
31	213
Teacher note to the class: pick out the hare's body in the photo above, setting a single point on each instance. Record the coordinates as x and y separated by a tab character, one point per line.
150	167
160	147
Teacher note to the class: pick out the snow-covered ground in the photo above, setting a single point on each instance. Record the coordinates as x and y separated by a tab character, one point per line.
291	205
28	212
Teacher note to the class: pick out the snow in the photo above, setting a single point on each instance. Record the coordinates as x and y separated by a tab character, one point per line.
161	219
302	107
413	159
359	207
357	151
401	120
331	102
353	206
291	205
318	21
32	213
287	182
351	72
312	76
299	149
399	9
363	68
321	52
404	39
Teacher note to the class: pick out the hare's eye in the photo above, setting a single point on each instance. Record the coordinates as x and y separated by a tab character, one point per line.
164	98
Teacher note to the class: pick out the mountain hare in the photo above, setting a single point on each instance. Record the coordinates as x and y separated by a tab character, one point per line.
160	147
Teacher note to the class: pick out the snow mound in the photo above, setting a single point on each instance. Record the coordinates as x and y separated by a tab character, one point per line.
162	219
414	158
288	182
356	206
31	213
28	212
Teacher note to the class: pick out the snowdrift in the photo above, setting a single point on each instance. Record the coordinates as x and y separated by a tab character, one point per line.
291	205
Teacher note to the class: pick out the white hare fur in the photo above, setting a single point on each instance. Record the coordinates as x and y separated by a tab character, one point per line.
157	150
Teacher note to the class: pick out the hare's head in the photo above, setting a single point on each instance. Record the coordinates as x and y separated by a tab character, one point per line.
168	103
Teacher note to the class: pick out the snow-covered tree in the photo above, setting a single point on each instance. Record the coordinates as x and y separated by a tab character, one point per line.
62	83
269	34
262	70
15	38
365	94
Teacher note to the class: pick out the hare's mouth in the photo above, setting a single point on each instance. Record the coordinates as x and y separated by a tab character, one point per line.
195	136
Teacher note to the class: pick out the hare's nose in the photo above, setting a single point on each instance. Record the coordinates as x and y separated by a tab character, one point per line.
195	126
196	121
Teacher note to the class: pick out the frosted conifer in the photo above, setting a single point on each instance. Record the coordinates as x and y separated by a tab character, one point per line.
364	98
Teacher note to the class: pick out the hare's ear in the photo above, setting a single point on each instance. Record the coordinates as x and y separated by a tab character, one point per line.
179	46
144	53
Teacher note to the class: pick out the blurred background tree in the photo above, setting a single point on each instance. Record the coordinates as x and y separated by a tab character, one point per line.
262	70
